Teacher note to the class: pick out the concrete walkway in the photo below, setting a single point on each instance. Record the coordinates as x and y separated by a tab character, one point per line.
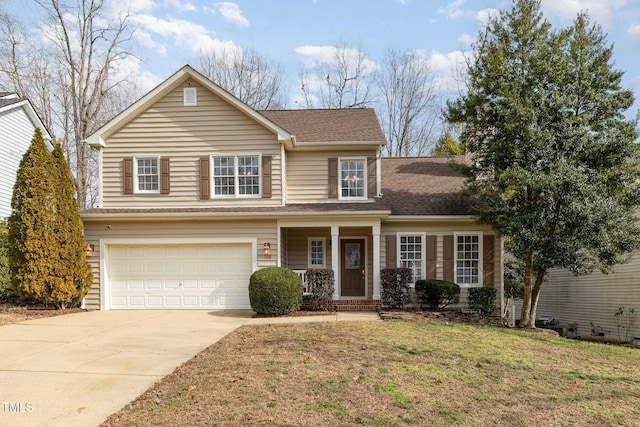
78	369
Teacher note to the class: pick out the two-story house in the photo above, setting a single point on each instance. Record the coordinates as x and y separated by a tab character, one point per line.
198	190
18	122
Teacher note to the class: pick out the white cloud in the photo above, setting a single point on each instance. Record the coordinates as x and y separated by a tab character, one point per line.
145	39
128	70
449	68
466	39
485	15
315	55
231	13
183	33
633	35
453	10
600	11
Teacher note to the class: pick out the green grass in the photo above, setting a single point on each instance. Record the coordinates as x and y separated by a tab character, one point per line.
396	373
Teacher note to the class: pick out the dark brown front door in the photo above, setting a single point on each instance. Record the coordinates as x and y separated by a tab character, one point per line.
352	281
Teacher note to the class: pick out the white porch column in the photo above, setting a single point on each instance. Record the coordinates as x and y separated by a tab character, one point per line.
335	258
375	231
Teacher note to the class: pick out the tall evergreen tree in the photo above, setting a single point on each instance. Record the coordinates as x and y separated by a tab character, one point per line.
72	266
555	168
32	225
46	244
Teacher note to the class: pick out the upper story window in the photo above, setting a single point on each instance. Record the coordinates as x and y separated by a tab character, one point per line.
352	179
147	175
411	254
468	260
316	252
236	176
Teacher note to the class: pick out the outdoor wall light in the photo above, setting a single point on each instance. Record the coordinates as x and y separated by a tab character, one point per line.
90	249
267	248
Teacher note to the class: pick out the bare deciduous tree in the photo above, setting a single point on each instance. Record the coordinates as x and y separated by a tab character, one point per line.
341	80
68	71
409	103
247	74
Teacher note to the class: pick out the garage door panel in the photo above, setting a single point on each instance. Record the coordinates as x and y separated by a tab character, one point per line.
179	276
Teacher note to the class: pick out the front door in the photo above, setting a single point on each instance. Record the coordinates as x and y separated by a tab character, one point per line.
352	278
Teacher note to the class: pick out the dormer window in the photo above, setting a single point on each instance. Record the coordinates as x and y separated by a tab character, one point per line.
190	95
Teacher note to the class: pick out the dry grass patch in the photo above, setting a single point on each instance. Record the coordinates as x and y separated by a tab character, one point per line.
394	373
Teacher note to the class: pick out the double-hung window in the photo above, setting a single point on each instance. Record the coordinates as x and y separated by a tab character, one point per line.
236	176
316	252
147	175
411	251
468	260
352	177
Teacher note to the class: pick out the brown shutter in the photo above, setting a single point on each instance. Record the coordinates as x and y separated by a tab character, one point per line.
333	177
127	176
447	258
432	256
266	177
392	251
488	243
165	176
372	182
205	179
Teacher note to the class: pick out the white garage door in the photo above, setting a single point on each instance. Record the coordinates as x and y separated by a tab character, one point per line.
179	276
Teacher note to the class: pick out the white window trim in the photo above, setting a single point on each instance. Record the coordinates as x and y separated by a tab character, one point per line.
480	260
190	96
324	252
236	194
365	178
136	188
423	247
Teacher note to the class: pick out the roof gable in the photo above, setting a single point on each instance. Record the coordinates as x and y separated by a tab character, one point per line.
98	137
10	101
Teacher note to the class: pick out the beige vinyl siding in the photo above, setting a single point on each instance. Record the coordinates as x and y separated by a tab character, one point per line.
593	298
264	231
297	247
307	174
439	230
184	134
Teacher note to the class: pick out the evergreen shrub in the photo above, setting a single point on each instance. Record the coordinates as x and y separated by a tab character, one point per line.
437	294
396	287
275	291
482	300
321	281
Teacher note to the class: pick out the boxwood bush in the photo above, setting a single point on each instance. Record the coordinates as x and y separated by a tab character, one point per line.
483	300
437	294
275	291
396	287
321	281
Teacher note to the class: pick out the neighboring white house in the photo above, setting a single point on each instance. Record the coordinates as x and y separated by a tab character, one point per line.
18	122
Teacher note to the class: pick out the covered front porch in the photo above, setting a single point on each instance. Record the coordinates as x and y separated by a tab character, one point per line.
350	248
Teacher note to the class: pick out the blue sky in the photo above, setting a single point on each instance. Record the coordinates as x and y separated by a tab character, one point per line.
170	33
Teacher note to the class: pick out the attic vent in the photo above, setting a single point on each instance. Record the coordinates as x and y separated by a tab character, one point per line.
190	96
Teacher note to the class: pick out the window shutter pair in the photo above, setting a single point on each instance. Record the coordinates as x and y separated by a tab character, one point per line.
488	244
372	181
165	175
431	259
205	178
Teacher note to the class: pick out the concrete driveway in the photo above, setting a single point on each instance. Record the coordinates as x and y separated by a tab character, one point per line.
78	369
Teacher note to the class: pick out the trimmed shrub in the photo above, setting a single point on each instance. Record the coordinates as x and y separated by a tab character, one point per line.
483	300
396	287
437	294
275	291
321	281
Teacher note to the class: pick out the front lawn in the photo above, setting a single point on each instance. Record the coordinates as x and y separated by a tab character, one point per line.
394	373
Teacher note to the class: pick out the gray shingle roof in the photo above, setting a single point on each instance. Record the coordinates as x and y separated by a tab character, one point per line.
422	186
